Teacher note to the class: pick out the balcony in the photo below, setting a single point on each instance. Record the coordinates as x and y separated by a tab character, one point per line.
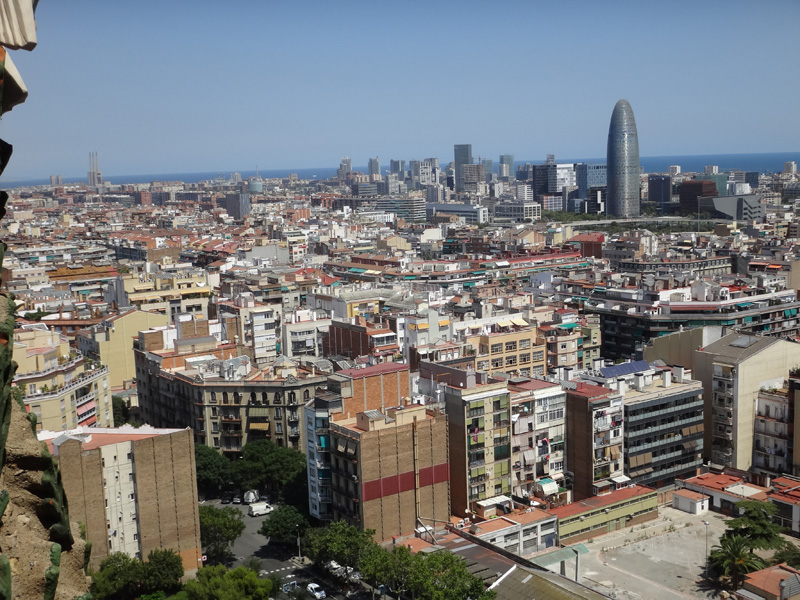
88	377
60	367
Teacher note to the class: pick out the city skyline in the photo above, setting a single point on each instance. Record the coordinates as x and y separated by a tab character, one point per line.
277	96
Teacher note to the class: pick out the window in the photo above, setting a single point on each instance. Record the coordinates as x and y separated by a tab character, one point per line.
306	394
524	344
537	356
278	413
483	365
511	346
277	398
497	348
511	361
525	358
279	428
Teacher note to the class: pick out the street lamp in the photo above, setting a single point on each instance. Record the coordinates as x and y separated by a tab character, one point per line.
706	523
299	555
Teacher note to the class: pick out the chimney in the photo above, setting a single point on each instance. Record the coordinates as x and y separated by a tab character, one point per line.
568	373
666	378
638	381
678	371
622	387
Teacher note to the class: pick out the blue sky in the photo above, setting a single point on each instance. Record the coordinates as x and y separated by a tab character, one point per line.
161	86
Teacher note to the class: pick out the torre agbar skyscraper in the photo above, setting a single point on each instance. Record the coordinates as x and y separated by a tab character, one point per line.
623	163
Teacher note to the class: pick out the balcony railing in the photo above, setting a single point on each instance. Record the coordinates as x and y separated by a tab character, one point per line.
74	384
60	367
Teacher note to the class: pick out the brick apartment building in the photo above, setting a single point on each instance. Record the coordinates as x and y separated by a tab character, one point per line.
134	489
390	470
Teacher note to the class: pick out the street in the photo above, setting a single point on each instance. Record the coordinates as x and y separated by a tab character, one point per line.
275	560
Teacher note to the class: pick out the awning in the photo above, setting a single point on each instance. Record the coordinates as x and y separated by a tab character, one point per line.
549	487
620	479
259	426
520	322
460	326
505	323
529	456
444	323
422	326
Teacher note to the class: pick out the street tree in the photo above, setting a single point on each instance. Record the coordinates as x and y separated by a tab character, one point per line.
219	529
162	572
375	564
756	523
219	583
284	524
213	469
343	543
733	558
450	579
265	466
119	577
790	554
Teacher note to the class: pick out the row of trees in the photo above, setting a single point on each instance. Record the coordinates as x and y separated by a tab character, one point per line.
123	577
436	576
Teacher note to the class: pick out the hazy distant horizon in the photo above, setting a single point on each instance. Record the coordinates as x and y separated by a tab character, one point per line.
763	162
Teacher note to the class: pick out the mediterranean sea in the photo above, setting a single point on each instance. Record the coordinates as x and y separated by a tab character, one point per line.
763	163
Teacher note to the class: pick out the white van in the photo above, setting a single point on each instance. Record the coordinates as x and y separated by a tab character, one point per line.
259	509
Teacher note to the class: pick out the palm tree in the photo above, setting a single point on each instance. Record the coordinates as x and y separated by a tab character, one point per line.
789	554
733	558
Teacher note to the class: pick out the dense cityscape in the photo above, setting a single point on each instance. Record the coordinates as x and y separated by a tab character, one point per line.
470	369
509	367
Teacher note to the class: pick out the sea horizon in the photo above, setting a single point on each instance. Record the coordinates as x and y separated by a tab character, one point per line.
764	163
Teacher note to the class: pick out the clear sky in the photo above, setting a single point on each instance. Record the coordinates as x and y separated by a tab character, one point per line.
161	86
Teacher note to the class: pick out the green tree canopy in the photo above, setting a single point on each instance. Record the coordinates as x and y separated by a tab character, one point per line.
450	579
219	583
284	524
733	557
162	572
213	469
219	528
755	523
789	554
265	466
118	578
340	542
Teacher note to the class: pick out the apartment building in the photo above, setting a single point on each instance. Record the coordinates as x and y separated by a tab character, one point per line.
302	333
360	337
253	325
479	414
390	471
538	442
510	346
134	489
60	386
774	450
348	393
595	430
169	293
111	342
733	370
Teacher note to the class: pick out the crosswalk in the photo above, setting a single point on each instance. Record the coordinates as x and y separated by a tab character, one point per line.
265	573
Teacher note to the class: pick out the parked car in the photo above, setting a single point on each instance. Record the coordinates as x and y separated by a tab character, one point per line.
226	499
315	590
237	500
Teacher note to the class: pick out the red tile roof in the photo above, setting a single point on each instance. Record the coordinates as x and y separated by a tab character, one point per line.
595	502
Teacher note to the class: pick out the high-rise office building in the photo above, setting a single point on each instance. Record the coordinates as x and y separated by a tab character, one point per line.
588	176
711	169
790	168
508	161
397	166
488	167
374	167
95	176
237	205
462	156
659	190
345	167
674	170
623	162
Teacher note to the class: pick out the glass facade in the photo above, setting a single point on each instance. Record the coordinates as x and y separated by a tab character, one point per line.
623	162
